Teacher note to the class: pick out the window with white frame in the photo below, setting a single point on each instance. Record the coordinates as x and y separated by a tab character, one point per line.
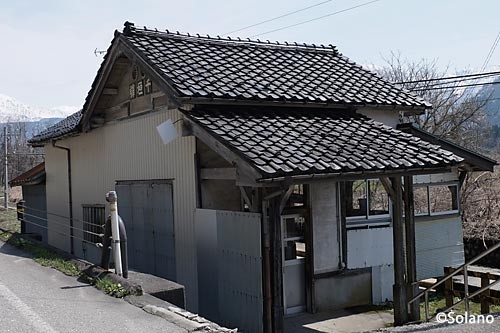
436	199
367	201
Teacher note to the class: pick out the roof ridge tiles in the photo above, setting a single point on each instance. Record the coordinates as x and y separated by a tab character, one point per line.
130	29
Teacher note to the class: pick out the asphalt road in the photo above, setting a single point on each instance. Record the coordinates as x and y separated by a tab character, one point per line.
34	298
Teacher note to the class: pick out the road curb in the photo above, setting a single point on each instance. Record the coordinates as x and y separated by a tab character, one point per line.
186	320
89	269
136	296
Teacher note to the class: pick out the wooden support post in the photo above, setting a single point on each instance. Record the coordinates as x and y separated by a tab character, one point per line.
275	204
266	268
411	260
343	223
485	301
399	288
309	259
276	265
448	288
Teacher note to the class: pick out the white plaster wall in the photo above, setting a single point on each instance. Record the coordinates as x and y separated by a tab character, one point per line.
436	178
369	247
326	238
382	283
388	117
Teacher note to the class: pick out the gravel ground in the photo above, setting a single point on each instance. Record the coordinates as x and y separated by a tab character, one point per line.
448	328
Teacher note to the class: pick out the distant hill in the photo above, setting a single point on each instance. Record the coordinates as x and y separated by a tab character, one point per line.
493	106
32	119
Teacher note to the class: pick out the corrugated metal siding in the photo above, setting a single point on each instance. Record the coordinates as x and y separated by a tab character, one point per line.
230	263
439	243
147	211
57	197
35	212
131	149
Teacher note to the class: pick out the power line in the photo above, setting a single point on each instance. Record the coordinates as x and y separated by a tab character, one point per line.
490	53
456	87
276	18
452	77
315	19
437	84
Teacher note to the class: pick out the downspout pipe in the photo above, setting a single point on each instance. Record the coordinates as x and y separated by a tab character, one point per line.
70	194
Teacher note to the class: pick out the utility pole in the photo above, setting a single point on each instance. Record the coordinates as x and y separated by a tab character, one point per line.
6	171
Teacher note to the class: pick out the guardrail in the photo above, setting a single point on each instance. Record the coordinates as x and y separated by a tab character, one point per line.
467	296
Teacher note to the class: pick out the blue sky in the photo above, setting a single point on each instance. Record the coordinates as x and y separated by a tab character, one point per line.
47	47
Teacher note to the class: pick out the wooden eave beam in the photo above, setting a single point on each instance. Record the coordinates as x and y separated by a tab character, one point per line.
119	49
110	91
246	175
234	101
218	173
165	86
310	179
246	198
386	182
99	86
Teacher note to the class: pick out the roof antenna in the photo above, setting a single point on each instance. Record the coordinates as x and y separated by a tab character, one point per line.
167	31
98	52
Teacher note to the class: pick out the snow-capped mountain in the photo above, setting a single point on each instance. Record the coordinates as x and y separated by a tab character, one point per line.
12	110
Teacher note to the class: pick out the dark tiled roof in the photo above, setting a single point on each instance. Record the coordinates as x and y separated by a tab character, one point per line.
62	128
306	142
257	71
35	175
478	161
238	70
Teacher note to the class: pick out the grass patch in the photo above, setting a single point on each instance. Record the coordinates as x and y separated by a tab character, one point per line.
44	256
48	258
111	288
9	221
437	303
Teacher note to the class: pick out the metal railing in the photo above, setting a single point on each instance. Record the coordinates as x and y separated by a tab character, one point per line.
467	297
57	223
